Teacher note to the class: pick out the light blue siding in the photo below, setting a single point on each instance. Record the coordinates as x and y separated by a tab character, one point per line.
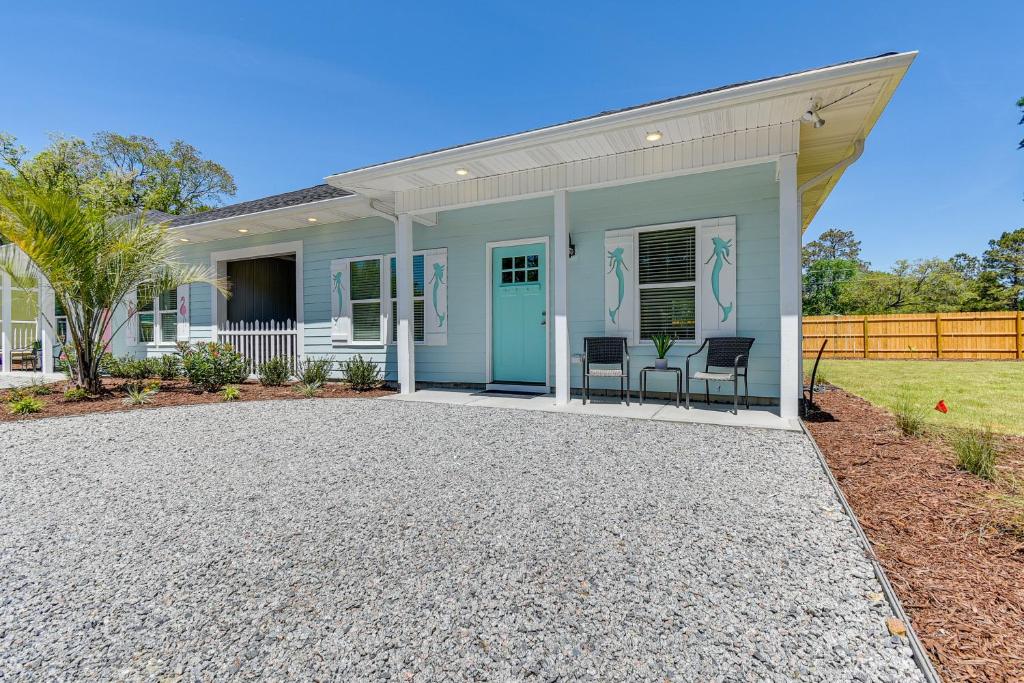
749	193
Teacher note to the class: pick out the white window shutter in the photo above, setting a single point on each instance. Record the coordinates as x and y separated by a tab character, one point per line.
717	251
131	327
435	291
184	313
341	305
620	284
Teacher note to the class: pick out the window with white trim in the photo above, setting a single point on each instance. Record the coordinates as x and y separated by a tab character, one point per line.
667	264
157	317
365	294
418	294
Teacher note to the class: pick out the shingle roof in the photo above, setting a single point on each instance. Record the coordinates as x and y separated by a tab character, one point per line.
609	112
306	195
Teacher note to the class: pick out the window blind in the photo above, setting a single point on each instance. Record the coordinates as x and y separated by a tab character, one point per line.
668	311
667	256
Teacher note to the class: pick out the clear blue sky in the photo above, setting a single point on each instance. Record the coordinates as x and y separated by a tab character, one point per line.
286	93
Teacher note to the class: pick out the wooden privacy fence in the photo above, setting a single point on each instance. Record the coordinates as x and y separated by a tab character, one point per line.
258	342
979	336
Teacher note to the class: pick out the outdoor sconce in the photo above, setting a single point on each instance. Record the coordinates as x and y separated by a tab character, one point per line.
572	247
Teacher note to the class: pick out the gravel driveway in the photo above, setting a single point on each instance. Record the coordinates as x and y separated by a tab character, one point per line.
358	539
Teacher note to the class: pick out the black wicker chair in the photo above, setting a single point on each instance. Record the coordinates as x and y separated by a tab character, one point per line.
723	352
606	351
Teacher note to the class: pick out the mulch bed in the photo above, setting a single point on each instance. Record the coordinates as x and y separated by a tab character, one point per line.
954	554
171	393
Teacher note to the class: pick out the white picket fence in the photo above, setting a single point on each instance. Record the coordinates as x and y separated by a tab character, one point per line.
260	341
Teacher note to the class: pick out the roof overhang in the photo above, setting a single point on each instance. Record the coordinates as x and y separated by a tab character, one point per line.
323	212
738	125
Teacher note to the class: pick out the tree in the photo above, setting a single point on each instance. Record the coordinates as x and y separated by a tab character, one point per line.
967	265
121	174
930	285
92	263
1020	105
831	245
1005	258
824	281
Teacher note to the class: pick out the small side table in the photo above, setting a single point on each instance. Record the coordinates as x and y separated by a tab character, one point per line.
651	368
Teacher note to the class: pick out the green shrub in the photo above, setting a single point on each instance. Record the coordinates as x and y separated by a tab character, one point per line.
231	393
38	389
140	396
75	394
209	366
274	372
308	390
25	405
360	374
909	414
110	366
976	452
168	366
315	370
67	363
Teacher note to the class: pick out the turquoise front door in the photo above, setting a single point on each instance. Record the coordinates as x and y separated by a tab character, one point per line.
519	314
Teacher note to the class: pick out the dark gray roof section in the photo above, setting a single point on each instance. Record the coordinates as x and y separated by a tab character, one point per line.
623	109
306	195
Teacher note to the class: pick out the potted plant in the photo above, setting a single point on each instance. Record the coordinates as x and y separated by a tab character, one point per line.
662	344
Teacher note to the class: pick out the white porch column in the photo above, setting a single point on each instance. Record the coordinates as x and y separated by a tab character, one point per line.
560	297
6	330
47	313
790	381
406	350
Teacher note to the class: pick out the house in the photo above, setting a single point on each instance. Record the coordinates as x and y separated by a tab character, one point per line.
487	263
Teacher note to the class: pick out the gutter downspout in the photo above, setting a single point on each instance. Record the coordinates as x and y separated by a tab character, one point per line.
381	212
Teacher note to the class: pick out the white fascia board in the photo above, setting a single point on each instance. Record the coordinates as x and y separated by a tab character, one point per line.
692	104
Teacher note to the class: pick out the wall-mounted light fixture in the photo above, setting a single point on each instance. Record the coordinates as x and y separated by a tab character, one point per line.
572	246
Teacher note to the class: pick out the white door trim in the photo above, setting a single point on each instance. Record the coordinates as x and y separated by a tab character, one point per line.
218	259
546	388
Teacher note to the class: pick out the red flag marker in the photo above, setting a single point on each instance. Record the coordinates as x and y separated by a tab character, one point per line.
941	407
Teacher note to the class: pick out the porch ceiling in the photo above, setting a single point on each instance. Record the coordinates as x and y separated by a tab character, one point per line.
851	95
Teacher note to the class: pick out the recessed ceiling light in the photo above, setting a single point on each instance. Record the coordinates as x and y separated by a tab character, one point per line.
311	219
183	239
243	230
461	172
653	136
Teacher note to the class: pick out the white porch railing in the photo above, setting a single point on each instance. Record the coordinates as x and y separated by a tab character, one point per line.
258	342
24	333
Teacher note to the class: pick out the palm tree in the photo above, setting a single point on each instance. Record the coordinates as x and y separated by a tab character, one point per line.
92	264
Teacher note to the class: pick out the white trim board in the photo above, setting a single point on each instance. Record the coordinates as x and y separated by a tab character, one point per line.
218	261
489	275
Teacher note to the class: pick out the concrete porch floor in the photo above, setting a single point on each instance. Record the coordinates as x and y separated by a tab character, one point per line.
762	417
23	378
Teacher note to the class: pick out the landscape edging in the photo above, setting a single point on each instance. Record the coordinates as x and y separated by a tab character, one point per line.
920	656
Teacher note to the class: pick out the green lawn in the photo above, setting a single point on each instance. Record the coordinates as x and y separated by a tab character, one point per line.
978	394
